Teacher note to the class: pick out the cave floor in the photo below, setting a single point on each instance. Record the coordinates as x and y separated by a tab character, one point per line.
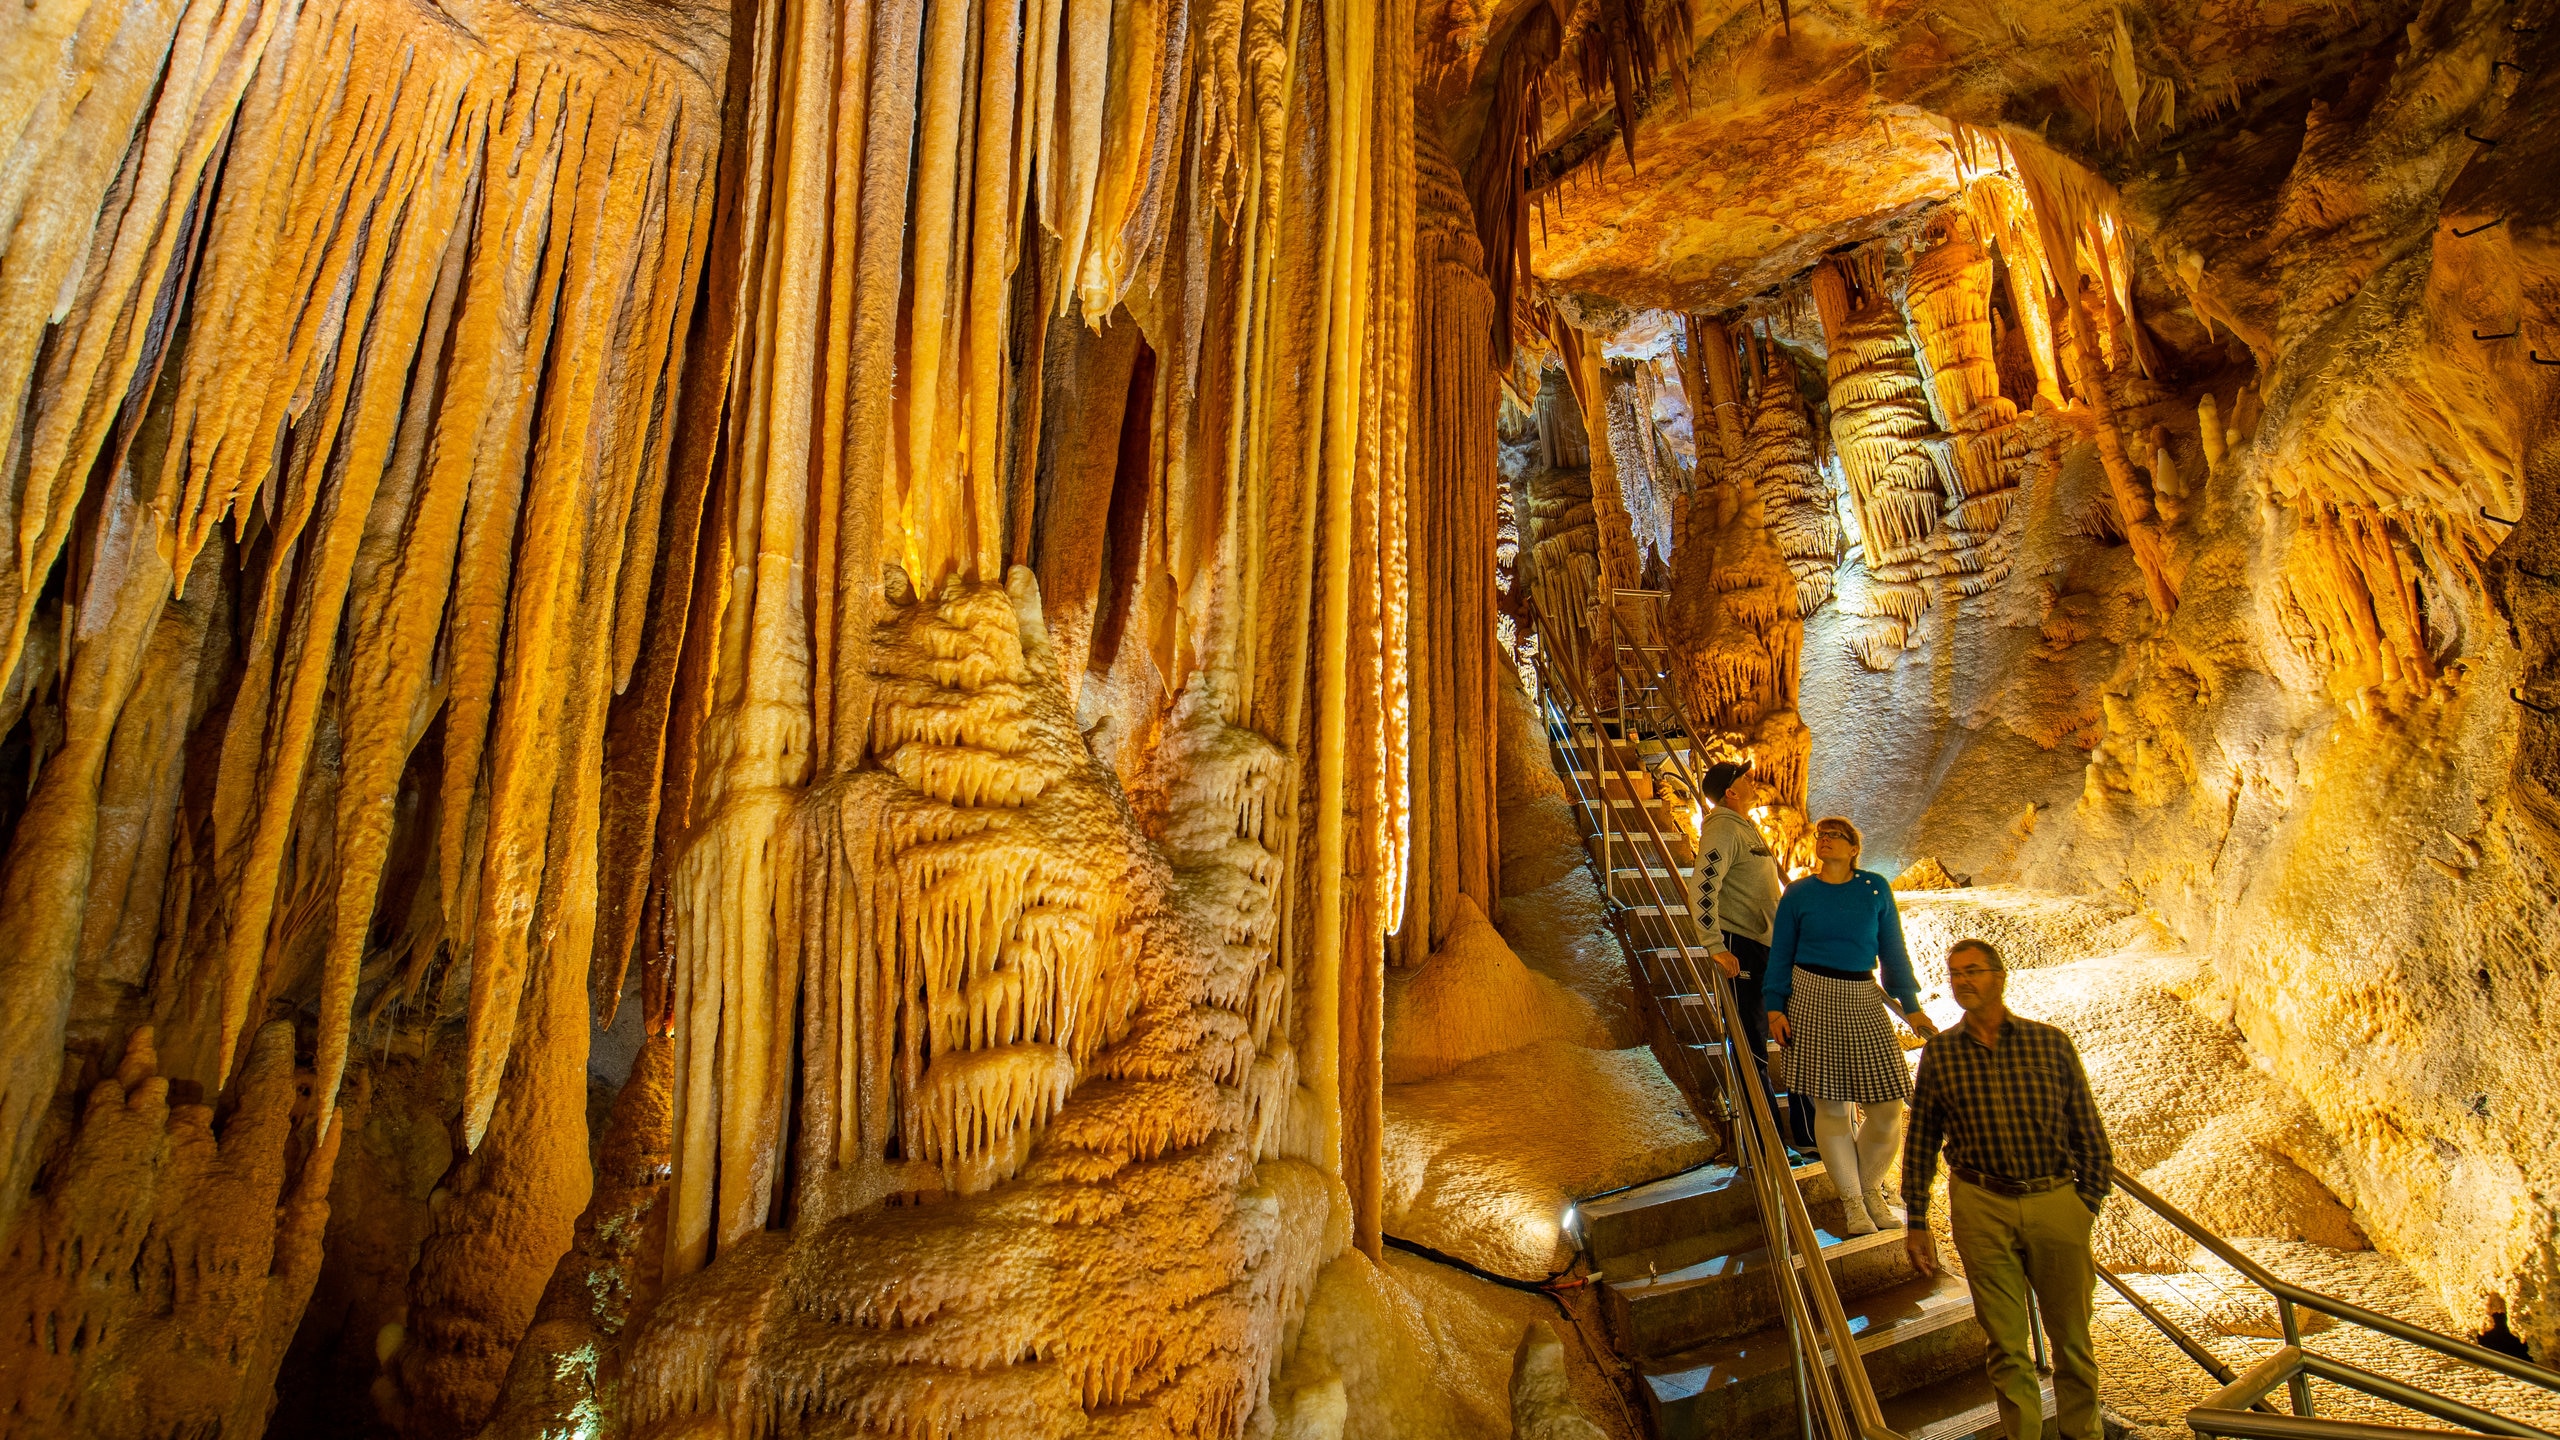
2149	1383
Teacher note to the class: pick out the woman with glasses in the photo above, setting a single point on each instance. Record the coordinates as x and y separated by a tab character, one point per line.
1832	928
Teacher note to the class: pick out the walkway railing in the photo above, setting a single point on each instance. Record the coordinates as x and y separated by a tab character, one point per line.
1644	702
2239	1411
1836	1400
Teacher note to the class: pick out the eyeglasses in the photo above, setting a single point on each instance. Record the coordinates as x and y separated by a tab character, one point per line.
1835	835
1972	972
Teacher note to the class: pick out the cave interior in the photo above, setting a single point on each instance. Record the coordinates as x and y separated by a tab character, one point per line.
782	719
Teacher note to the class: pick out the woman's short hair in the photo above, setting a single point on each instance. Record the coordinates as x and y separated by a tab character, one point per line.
1857	841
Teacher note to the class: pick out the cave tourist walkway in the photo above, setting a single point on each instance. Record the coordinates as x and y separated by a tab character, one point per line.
1689	1265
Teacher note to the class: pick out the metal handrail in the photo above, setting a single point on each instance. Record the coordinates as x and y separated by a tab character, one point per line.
2286	1292
2295	1367
2239	1411
2193	1348
1663	683
1792	1234
1851	1366
2226	1412
1602	806
1763	1196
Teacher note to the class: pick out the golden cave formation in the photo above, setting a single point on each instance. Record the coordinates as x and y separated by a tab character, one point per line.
918	719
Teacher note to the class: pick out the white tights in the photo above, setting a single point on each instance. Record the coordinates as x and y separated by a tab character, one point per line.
1863	1160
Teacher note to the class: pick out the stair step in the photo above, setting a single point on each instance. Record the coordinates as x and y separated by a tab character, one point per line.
1910	1336
1652	931
1637	887
1720	1296
1961	1407
1615	825
1710	1200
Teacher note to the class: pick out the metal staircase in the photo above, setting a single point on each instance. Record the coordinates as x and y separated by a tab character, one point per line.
1746	1313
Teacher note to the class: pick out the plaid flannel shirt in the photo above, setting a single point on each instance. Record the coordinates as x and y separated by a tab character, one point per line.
2020	1111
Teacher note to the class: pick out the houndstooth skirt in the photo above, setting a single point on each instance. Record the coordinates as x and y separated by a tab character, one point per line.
1843	1045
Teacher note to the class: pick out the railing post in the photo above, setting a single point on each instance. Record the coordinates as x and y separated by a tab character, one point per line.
2300	1384
1804	1386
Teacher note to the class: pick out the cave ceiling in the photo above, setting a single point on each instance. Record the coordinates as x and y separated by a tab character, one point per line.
1792	136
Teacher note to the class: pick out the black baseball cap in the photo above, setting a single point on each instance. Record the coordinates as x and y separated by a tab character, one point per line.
1720	777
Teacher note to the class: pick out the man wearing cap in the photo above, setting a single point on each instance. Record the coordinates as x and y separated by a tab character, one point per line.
1734	894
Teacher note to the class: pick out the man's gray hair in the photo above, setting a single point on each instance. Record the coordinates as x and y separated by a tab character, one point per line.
1987	950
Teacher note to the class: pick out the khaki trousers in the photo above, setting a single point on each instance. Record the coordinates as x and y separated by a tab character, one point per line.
2010	1244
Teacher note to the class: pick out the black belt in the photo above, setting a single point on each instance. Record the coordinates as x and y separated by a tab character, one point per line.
1852	976
1999	1185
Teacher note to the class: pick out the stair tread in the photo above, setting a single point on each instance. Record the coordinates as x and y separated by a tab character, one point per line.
1709	1200
1741	1262
1959	1407
1917	1307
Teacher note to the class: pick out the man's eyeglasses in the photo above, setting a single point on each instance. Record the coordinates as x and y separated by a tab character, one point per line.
1971	972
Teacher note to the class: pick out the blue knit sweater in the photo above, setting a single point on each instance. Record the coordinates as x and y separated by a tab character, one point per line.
1846	927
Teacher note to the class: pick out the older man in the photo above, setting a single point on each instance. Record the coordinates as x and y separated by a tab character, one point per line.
2009	1100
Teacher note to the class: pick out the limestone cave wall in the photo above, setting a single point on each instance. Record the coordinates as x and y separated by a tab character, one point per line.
2184	471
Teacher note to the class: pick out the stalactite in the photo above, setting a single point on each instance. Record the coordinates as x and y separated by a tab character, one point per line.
1948	294
1649	483
357	338
1498	185
1878	413
1997	204
1778	463
570	624
1743	580
2132	497
1562	556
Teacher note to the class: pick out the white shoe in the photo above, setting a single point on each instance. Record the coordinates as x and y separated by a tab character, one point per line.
1853	1217
1881	1209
